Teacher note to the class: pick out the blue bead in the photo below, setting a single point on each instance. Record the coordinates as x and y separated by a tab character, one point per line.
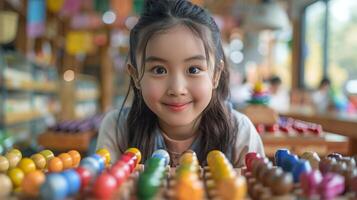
100	161
54	188
161	153
279	155
288	162
73	181
300	167
92	165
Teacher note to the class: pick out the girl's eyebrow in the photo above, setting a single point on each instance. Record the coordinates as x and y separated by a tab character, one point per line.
158	59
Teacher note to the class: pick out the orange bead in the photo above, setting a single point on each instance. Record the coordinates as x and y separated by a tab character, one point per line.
66	160
76	157
40	161
55	165
32	182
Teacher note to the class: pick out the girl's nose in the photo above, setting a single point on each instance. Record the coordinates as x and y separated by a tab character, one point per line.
177	86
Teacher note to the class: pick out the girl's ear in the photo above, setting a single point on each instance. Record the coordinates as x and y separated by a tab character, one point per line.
217	74
133	72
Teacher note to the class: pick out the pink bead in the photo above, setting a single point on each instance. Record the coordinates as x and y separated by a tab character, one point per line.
310	182
331	185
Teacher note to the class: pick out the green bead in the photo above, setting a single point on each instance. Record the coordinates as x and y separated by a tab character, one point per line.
147	186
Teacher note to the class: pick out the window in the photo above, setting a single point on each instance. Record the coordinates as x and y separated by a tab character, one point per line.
330	43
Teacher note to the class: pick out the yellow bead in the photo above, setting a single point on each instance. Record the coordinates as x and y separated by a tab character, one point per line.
4	164
13	159
48	154
5	185
27	165
136	152
17	152
16	175
213	155
40	161
105	154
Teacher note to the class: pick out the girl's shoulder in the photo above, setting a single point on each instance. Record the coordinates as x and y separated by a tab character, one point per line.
241	118
112	117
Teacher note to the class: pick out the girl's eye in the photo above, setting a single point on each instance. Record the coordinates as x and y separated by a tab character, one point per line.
159	70
194	70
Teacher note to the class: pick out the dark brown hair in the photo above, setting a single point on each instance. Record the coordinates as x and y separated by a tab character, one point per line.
217	124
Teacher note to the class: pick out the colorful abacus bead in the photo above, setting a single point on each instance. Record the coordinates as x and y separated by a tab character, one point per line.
331	186
188	184
85	177
73	180
5	185
4	164
48	154
32	182
309	182
66	160
16	175
55	165
105	186
76	157
105	154
40	161
27	165
55	187
13	158
228	184
150	180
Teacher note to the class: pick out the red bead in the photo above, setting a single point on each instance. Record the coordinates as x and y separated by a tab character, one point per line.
118	173
85	177
130	158
105	186
249	157
273	128
124	166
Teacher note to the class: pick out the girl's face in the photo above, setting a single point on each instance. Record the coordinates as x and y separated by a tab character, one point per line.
177	81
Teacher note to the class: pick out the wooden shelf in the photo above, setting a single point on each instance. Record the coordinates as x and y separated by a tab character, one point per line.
87	97
14	118
324	145
66	141
45	86
31	86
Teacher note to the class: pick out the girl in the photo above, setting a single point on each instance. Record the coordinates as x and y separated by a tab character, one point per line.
179	78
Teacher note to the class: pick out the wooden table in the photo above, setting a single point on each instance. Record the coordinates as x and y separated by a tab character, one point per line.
342	124
298	144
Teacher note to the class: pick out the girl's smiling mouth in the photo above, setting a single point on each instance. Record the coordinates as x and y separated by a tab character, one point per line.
177	106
